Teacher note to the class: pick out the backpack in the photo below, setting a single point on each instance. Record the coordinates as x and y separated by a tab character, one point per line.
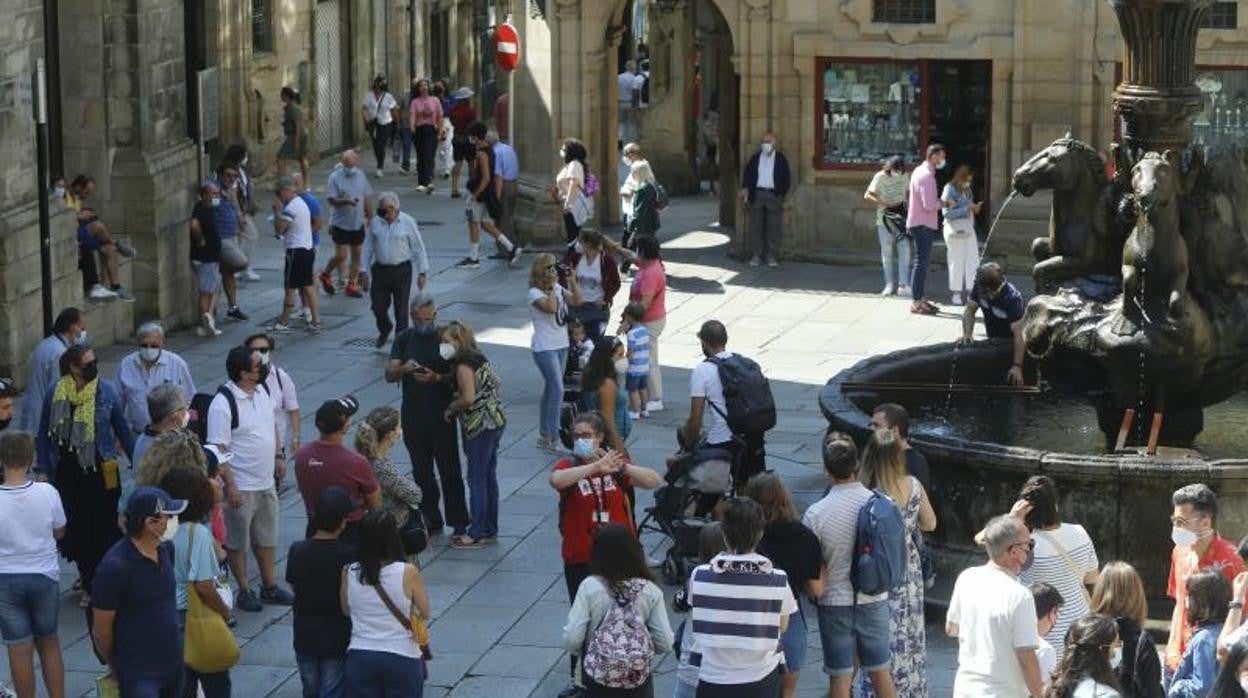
620	651
201	402
878	564
661	199
591	184
747	395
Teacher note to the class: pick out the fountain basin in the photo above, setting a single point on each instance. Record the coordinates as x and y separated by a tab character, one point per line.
982	448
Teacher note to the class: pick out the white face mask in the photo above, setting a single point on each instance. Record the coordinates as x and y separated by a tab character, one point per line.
942	164
186	419
446	350
265	357
216	201
768	147
58	192
171	529
578	247
81	338
1115	657
621	365
149	354
1183	537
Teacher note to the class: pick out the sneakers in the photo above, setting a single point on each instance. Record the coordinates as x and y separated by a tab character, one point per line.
327	282
280	326
209	326
771	262
645	414
380	173
353	290
250	275
428	188
247	601
754	261
634	415
467	263
889	290
422	189
514	256
237	313
125	249
903	290
654	406
276	596
956	299
122	294
99	293
381	339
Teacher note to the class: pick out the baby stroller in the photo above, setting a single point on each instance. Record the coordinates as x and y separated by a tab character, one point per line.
691	476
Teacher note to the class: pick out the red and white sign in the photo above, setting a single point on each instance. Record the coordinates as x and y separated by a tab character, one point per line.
507	47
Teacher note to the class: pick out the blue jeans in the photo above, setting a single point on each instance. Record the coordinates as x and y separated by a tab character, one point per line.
162	687
29	606
793	642
922	258
405	136
384	675
482	454
894	256
551	364
322	677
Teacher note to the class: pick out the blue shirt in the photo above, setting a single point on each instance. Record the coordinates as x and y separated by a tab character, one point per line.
137	380
314	213
195	558
45	369
506	164
1000	312
1199	667
147	642
226	216
347	186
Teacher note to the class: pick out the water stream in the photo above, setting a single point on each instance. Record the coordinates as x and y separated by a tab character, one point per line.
996	219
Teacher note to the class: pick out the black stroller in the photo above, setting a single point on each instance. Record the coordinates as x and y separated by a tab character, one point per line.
692	477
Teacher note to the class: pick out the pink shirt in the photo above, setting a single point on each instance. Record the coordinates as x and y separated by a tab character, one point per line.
425	111
924	199
650	279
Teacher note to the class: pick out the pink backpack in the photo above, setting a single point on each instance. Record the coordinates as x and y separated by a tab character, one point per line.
620	651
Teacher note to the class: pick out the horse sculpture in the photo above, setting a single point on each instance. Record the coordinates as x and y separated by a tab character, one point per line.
1154	260
1082	239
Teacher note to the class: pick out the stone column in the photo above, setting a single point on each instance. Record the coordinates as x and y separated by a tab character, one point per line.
666	127
1157	97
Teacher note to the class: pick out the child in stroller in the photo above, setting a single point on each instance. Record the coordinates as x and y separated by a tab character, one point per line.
696	480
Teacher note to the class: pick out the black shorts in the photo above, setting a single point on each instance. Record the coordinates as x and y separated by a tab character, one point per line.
462	150
346	237
298	271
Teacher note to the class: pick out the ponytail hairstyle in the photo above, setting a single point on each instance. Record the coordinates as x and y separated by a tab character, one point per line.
374	430
1087	655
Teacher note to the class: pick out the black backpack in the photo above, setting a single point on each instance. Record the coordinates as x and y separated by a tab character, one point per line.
747	395
201	402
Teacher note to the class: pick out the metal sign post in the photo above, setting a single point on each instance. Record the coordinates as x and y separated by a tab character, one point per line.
41	172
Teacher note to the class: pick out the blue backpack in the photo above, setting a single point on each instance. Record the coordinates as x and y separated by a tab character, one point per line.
879	561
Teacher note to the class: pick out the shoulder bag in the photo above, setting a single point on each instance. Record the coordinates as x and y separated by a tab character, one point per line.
414	535
1070	562
210	647
414	625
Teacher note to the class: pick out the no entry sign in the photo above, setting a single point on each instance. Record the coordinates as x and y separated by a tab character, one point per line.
507	47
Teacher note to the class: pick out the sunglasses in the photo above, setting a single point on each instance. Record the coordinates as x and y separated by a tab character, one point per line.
1031	545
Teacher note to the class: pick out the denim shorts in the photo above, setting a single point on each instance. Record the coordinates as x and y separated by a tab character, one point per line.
635	383
29	605
793	642
861	629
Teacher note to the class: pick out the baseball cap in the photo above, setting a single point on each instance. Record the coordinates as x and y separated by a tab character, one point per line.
463	93
332	415
153	501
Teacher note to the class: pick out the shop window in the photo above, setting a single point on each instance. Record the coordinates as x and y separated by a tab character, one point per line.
870	111
1224	121
904	11
1223	15
262	26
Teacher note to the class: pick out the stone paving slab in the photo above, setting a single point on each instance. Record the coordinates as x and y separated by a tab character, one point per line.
499	611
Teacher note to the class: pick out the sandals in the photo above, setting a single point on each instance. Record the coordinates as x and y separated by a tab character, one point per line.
923	309
464	541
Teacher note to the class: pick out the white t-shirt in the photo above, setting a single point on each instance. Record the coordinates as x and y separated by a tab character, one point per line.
629	83
379	109
704	382
299	234
1050	567
1047	656
549	330
1089	688
589	276
28	515
254	442
285	399
995	615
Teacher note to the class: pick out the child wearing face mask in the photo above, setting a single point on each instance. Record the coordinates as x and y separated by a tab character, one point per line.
1208	596
1048	601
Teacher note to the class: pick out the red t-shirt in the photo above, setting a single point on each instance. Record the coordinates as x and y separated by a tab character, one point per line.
1221	556
585	506
462	115
320	465
651	280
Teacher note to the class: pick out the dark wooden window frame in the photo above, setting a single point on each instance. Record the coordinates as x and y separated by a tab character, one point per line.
903	11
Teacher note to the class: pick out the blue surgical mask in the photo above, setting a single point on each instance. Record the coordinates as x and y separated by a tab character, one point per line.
583	448
425	329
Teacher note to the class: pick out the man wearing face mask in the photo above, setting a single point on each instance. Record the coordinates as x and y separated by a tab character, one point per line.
922	223
1197	547
416	362
764	185
134	610
206	257
282	390
351	209
150	366
70	328
392	246
169	409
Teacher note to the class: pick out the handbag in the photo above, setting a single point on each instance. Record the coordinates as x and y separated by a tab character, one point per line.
895	222
414	625
414	535
210	647
582	208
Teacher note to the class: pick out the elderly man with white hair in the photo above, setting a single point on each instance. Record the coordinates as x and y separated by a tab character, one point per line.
994	618
348	194
392	246
151	366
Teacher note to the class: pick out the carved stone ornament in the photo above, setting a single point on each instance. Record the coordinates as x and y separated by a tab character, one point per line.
947	12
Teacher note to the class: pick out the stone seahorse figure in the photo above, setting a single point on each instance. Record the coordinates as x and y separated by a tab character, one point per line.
1154	258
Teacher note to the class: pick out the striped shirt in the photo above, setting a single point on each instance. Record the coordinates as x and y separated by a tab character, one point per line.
738	602
639	351
834	519
1049	566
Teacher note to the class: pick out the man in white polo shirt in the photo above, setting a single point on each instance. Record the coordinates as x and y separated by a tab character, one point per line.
292	221
240	420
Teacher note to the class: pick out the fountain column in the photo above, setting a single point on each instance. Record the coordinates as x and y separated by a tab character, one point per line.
1157	96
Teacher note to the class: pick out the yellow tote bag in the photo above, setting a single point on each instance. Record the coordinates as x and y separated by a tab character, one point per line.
209	645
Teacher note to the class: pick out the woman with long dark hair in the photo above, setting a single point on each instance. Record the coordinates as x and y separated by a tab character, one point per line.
601	389
378	592
1085	669
570	183
618	576
1233	679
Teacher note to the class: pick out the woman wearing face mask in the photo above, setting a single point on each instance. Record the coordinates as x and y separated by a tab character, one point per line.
602	390
1087	668
206	257
961	245
570	182
481	419
1233	679
1119	594
381	111
81	424
548	306
376	436
597	275
195	566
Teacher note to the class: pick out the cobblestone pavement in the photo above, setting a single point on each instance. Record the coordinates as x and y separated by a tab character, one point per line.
500	610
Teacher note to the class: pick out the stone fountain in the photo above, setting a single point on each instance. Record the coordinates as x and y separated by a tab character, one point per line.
1142	315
